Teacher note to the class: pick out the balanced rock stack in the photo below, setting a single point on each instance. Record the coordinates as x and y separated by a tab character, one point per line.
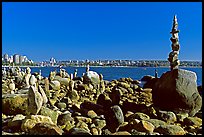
176	90
173	56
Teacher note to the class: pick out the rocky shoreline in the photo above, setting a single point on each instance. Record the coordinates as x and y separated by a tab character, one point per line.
65	104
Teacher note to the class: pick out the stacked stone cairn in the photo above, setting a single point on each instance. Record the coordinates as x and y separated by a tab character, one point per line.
90	105
173	56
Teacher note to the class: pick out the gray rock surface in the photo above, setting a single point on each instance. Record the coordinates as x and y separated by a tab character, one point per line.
91	77
177	91
114	117
35	100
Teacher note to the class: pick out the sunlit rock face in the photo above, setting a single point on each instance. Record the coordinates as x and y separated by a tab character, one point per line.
176	90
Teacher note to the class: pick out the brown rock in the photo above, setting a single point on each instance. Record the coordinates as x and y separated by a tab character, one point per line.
46	129
121	133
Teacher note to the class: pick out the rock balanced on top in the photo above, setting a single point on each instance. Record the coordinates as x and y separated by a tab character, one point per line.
173	55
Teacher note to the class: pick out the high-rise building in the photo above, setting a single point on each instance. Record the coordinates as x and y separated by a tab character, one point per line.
6	57
16	59
21	59
25	59
11	59
52	61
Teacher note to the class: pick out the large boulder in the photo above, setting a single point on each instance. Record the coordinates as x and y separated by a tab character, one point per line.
114	118
176	91
35	100
63	81
45	129
91	77
13	104
49	112
55	84
170	130
30	121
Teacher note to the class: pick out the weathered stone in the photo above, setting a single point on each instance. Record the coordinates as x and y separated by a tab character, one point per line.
150	83
53	101
64	118
192	121
12	86
102	87
45	100
144	126
114	117
153	133
49	112
15	123
26	79
170	130
147	78
125	126
91	106
3	116
94	131
61	105
91	114
167	116
83	125
139	116
134	86
121	133
91	77
106	132
55	85
71	85
104	101
29	122
176	91
135	132
84	119
52	75
130	90
5	88
32	80
45	129
132	106
134	121
147	90
17	133
78	131
127	115
63	81
156	122
46	81
181	117
14	104
69	125
99	123
190	129
80	87
150	111
115	96
73	95
35	100
124	85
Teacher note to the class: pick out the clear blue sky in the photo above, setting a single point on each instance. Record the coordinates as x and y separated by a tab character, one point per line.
100	30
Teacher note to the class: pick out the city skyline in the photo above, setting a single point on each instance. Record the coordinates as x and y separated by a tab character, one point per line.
100	31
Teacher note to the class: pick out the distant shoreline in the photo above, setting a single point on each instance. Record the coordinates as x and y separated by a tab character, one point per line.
103	66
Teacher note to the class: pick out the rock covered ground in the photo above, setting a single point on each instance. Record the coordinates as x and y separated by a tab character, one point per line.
62	105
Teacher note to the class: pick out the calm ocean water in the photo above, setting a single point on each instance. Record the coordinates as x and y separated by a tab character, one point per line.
110	73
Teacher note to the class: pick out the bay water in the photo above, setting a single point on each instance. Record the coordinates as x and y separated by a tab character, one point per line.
111	73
